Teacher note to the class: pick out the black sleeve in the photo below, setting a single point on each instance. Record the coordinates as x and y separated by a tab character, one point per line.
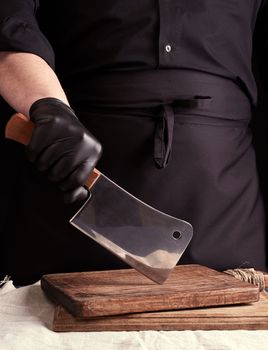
19	30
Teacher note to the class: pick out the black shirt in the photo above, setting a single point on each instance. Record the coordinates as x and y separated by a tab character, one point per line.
213	36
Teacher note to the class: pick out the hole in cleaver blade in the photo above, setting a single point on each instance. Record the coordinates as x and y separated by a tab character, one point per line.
140	235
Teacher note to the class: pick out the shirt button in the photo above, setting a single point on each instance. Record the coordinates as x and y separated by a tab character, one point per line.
168	48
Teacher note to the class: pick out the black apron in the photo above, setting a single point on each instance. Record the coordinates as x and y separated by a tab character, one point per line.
182	145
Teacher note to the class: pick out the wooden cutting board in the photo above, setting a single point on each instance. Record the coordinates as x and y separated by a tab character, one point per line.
247	316
115	292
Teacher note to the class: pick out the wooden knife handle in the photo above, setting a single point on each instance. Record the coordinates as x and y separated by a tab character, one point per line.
20	128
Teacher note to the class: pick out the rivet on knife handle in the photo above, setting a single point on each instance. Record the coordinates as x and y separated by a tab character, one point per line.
20	128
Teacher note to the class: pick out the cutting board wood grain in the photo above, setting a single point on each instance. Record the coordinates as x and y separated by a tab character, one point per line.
247	316
117	292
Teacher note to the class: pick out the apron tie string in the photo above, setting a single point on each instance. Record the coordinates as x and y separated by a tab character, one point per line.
163	136
165	123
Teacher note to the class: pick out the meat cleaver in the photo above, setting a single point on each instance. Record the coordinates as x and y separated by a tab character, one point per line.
150	241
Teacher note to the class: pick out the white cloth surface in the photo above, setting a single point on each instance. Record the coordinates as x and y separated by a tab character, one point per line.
26	317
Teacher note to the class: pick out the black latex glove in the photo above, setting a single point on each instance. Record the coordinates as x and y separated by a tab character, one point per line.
62	147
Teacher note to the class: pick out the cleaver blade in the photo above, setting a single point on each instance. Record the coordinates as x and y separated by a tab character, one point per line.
145	238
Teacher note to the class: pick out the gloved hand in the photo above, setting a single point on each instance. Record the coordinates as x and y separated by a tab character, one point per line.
62	147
